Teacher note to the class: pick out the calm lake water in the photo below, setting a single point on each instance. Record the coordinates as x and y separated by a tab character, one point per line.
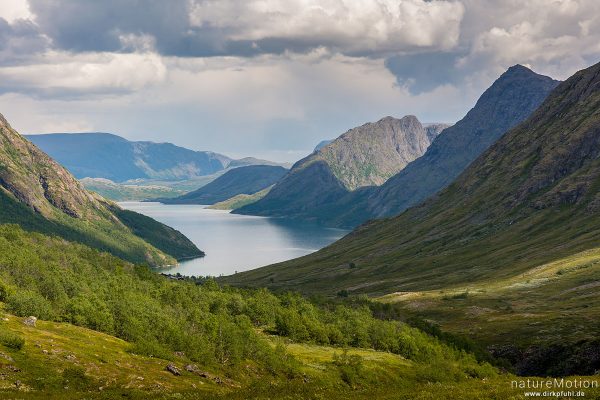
236	242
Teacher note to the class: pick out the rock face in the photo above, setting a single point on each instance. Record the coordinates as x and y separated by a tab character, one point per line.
363	156
511	99
104	155
372	153
530	199
39	194
243	180
37	180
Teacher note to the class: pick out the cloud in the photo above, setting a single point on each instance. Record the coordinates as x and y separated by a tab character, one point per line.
555	37
253	77
249	27
12	10
63	74
345	26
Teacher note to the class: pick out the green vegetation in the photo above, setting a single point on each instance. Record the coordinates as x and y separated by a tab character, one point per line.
530	201
246	180
226	331
40	195
240	200
161	236
129	192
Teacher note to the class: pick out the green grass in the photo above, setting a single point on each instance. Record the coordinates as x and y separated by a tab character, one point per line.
63	361
128	192
104	323
240	200
554	302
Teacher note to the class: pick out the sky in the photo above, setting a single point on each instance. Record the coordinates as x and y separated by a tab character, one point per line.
271	78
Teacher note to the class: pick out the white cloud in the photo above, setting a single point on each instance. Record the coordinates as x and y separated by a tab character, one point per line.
553	36
60	73
348	26
12	10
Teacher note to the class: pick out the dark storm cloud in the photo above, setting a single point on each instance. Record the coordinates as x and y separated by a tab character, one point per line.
422	73
19	41
201	28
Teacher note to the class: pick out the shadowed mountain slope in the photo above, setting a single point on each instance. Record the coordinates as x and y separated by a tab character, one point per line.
39	194
511	99
532	198
242	180
363	156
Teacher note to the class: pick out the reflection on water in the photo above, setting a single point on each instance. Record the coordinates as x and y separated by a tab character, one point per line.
236	242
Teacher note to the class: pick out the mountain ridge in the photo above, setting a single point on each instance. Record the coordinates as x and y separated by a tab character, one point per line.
39	194
509	100
246	180
360	157
109	156
529	199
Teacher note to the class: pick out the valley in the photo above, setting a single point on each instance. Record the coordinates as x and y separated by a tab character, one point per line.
299	200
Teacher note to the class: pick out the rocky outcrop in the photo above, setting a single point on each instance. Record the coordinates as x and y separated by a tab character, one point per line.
364	156
510	100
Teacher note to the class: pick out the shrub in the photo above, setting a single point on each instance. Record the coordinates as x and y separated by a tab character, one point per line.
11	340
28	302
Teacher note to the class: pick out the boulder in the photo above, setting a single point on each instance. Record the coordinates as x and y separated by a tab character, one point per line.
173	369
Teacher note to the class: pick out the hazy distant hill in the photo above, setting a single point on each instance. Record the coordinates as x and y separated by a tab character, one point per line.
243	180
363	156
40	195
104	155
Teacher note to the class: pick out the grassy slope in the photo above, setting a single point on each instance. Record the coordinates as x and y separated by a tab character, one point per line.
240	200
121	192
557	301
64	361
242	180
227	332
529	200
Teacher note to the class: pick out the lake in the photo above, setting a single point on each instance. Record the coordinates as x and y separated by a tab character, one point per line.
236	242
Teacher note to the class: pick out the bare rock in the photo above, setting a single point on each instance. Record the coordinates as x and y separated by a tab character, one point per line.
191	368
30	321
173	369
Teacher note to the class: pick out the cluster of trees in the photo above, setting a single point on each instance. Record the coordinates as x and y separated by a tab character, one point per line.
53	279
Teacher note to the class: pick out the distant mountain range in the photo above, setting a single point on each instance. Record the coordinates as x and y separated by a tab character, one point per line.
104	155
363	156
238	181
40	195
329	201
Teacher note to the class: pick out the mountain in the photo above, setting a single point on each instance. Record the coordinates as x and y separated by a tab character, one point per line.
39	194
363	156
128	192
104	155
322	144
240	200
511	245
242	180
510	99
